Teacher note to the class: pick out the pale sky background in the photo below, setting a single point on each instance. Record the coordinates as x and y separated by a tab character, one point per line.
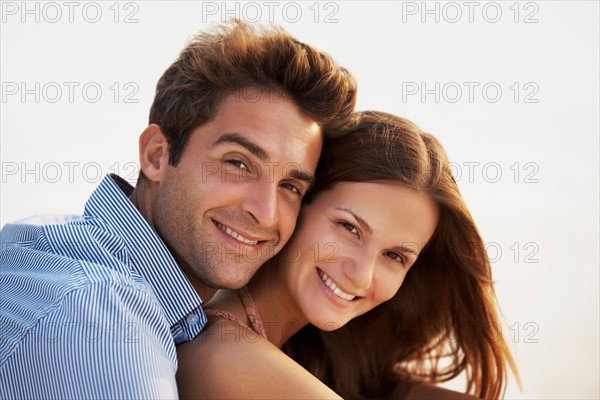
517	110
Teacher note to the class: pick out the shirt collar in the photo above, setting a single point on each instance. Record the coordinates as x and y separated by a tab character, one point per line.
149	255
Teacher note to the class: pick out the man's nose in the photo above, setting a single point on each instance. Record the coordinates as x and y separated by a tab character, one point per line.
261	203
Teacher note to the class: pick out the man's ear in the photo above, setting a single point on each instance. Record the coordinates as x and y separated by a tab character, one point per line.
154	153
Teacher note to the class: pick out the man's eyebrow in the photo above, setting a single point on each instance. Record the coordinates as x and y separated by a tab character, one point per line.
260	153
302	176
358	219
235	138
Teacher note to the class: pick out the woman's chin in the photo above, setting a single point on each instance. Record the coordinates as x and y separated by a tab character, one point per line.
330	324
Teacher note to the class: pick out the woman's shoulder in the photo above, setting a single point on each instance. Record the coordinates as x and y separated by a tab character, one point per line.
230	360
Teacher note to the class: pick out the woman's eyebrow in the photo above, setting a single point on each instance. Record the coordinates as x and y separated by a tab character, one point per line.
358	219
409	250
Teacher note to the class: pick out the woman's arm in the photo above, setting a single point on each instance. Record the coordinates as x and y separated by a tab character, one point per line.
228	360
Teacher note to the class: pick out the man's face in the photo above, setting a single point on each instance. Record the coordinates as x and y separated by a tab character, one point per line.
232	201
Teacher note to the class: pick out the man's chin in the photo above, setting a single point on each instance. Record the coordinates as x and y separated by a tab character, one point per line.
233	281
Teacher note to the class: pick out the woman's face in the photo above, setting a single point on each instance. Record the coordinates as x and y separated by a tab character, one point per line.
352	248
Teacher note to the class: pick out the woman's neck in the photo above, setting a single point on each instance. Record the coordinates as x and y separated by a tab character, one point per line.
279	312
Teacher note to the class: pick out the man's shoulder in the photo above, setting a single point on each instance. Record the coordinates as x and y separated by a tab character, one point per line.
43	266
60	258
47	219
81	242
103	340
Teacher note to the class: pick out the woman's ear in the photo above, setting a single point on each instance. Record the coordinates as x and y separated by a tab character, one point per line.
154	153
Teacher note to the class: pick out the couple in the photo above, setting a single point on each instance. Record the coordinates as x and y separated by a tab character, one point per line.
109	305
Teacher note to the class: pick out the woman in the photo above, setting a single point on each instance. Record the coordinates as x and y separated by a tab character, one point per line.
385	212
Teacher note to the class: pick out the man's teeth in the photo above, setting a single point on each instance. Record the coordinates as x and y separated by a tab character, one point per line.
331	285
235	235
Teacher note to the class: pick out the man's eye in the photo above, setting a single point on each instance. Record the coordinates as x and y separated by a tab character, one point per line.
349	227
396	257
238	164
292	188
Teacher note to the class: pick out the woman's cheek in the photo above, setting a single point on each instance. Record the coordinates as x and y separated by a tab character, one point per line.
389	283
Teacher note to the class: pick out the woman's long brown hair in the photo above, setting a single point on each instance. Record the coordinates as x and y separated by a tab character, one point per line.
444	319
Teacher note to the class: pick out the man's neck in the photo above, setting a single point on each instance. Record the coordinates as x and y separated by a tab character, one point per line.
141	199
204	291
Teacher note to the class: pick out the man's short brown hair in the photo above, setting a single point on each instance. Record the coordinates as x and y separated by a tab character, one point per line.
237	57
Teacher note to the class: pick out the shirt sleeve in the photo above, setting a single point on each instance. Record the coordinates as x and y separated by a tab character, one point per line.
106	340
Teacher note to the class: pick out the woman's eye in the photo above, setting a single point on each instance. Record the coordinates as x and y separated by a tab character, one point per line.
237	163
396	257
349	227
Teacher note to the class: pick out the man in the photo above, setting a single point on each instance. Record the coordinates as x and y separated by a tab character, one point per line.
94	307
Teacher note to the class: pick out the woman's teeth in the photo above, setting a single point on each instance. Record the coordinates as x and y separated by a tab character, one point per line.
336	290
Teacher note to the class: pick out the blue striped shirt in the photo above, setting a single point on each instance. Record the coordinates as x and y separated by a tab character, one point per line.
92	308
